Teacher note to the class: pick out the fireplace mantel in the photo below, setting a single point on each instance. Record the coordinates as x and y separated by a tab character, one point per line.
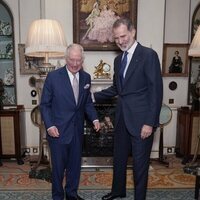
99	84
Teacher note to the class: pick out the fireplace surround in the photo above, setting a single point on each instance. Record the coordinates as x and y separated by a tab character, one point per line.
98	146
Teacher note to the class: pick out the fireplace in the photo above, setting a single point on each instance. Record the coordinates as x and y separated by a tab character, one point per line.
101	143
98	147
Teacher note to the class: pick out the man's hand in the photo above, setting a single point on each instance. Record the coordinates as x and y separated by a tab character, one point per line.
146	131
96	125
53	131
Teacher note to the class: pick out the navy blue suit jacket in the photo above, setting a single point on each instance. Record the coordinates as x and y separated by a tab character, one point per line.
58	107
140	99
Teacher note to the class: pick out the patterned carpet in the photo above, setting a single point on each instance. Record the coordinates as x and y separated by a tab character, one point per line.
164	183
16	177
152	194
160	178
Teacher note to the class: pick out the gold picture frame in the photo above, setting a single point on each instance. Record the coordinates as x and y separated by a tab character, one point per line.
175	60
92	21
194	71
28	65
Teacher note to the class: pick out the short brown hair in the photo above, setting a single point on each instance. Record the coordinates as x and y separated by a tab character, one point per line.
125	21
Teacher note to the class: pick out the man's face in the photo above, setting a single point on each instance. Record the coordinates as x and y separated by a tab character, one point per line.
124	38
74	61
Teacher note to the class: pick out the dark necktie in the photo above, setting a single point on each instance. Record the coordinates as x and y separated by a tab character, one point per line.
122	68
75	87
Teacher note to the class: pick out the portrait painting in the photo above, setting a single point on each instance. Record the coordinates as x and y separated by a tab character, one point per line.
195	20
93	20
175	60
194	80
194	71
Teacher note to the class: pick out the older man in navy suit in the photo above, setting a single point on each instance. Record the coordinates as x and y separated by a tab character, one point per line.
138	84
66	98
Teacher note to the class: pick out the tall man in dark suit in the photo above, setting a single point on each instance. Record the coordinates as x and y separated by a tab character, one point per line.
65	99
137	82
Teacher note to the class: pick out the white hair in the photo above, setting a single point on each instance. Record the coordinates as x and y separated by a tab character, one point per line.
74	46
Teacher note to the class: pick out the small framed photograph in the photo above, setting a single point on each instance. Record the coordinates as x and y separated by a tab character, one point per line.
28	65
175	60
93	20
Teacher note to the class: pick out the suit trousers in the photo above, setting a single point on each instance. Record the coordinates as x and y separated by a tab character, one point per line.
124	143
66	161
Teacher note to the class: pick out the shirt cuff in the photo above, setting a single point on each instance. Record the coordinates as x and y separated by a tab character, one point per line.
92	96
50	128
96	120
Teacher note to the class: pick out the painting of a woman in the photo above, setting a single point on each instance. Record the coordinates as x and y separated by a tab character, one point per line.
101	31
176	65
90	20
93	20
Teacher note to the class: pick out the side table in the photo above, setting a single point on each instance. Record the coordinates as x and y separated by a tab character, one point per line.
11	134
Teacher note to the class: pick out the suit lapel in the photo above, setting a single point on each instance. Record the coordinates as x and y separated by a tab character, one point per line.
134	63
81	85
67	84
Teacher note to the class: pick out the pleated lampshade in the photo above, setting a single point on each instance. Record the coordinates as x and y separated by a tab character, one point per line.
194	49
45	39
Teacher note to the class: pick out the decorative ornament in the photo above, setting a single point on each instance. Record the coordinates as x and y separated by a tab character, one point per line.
102	71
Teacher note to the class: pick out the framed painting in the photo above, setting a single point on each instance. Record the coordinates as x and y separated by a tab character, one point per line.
195	20
28	65
194	80
93	20
175	60
194	72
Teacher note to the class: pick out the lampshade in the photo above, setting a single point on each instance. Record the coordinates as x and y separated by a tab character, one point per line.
45	38
194	49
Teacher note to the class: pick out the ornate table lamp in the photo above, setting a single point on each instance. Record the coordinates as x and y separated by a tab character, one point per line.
45	39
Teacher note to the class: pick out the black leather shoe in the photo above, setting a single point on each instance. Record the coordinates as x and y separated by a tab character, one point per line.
74	198
79	198
110	196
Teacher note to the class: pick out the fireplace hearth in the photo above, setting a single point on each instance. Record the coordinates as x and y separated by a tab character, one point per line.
99	146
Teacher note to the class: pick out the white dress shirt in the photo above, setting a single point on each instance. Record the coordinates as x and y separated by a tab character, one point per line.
129	56
71	76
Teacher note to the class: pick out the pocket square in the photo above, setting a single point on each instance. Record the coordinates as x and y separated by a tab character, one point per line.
86	86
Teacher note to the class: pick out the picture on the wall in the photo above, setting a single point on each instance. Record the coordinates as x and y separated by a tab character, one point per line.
175	60
28	65
194	81
195	20
93	20
194	72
